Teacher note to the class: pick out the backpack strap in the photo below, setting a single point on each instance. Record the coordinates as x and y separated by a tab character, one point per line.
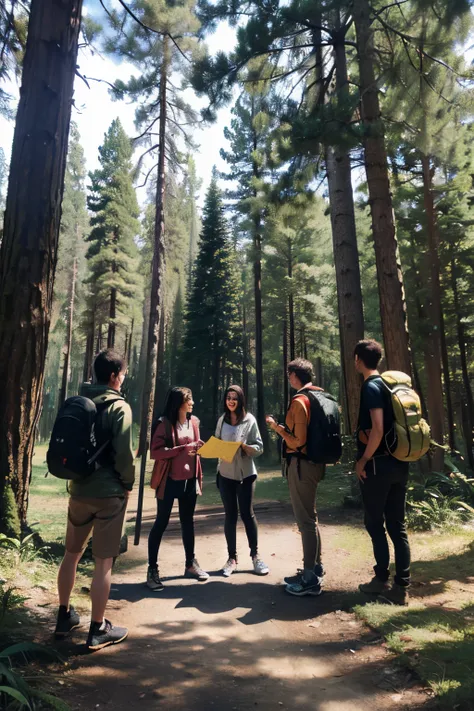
220	424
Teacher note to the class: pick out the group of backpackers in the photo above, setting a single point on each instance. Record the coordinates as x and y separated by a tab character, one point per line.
390	433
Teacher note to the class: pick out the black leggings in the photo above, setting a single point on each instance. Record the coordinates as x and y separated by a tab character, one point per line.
237	495
185	492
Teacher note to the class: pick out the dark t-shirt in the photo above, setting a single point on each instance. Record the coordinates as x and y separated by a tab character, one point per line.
374	396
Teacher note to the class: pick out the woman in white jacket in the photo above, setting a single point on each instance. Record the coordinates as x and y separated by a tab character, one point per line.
236	480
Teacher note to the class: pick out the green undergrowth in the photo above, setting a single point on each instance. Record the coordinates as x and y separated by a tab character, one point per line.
434	635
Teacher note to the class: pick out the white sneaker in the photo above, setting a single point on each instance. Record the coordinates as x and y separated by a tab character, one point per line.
229	568
259	567
195	571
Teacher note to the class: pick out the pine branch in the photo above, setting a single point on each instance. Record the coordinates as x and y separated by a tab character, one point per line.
151	29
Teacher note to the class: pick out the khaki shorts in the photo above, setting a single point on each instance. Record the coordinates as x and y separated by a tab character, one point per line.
102	516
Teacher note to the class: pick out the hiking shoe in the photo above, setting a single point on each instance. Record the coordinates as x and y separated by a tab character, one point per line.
67	621
229	568
293	579
375	587
259	567
104	635
305	587
318	571
396	595
195	571
153	580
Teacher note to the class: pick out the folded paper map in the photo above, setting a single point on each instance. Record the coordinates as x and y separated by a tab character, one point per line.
218	449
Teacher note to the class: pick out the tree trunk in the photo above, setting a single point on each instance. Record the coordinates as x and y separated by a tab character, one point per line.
67	351
159	384
129	349
157	274
468	401
89	355
291	305
285	366
30	235
435	321
257	272
389	273
112	315
99	339
245	353
436	315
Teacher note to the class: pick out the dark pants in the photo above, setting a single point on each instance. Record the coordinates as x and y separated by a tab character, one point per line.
384	497
185	492
238	495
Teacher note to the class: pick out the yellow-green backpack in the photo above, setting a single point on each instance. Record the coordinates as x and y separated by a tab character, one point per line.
409	438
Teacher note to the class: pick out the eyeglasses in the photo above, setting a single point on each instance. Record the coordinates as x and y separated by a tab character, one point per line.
232	399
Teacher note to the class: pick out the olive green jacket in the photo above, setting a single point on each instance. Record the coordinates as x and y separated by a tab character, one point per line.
114	479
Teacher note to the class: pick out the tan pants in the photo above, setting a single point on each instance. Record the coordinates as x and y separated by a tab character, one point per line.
101	517
302	486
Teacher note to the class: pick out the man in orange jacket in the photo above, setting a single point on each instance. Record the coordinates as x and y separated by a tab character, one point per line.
303	479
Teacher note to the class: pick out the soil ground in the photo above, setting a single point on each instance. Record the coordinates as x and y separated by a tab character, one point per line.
241	643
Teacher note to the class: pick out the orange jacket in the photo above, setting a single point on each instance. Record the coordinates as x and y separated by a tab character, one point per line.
297	421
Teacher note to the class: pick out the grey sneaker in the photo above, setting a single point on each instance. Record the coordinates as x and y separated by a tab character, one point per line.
259	567
153	580
229	568
195	571
104	635
376	586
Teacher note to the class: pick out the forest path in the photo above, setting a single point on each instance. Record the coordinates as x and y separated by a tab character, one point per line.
241	643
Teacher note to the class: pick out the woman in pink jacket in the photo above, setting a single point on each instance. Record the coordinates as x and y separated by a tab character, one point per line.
177	474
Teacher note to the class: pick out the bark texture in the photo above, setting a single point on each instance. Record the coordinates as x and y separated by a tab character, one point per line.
389	272
30	239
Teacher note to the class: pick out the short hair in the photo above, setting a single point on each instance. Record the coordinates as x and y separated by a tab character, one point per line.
241	409
303	369
369	352
107	363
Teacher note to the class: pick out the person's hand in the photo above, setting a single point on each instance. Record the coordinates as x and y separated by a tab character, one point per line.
191	448
271	422
360	469
248	450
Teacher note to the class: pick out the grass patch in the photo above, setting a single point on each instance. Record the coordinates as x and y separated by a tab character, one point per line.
437	643
272	486
435	636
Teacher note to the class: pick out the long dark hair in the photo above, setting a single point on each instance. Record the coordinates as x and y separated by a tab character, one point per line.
241	410
175	398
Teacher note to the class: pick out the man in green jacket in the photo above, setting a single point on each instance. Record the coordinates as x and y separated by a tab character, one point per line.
97	505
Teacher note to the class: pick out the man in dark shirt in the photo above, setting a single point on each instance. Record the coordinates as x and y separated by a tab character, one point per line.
383	480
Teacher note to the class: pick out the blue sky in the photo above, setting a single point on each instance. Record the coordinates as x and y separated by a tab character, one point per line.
94	111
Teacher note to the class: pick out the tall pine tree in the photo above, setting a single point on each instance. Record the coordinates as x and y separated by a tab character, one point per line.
115	284
212	317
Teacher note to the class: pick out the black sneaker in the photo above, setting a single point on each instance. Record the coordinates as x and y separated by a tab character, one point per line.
101	636
305	587
153	580
67	621
318	571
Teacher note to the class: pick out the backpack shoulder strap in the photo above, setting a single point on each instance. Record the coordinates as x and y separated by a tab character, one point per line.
220	424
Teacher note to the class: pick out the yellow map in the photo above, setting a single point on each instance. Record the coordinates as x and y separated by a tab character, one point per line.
218	449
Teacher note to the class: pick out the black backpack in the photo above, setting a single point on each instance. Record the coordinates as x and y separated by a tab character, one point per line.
323	441
77	440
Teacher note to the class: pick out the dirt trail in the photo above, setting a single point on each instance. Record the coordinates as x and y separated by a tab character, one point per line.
242	643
